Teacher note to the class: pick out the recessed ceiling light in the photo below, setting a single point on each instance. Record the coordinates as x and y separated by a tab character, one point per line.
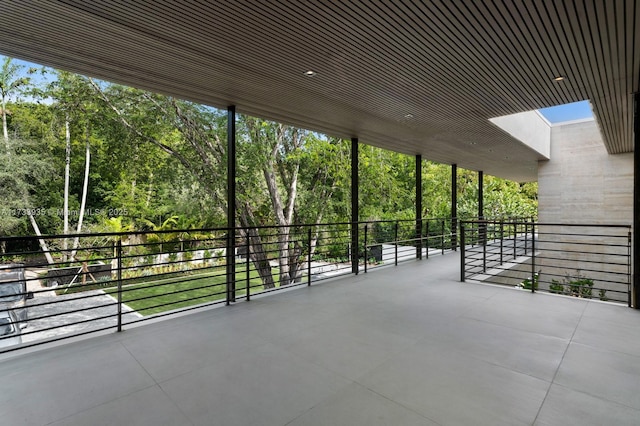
310	73
408	116
558	78
473	143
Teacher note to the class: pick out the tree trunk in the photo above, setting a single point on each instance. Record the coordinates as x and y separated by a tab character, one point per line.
43	244
5	130
85	188
65	209
256	250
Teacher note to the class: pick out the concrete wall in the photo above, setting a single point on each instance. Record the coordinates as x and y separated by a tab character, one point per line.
581	183
530	127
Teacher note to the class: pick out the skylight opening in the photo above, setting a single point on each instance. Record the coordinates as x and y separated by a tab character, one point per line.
568	112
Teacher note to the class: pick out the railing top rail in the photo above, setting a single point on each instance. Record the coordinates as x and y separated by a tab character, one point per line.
211	230
588	225
225	229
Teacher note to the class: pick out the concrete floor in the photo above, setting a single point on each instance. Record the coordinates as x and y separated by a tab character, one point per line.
407	345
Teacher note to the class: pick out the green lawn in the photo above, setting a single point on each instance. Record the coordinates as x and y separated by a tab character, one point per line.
155	296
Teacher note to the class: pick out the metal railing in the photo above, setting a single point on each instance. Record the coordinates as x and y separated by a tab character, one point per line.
580	260
395	241
105	281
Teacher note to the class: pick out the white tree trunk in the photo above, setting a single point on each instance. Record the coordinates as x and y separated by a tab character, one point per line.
85	188
65	209
5	131
43	244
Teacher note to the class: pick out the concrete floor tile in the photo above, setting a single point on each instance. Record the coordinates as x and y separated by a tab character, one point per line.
190	346
530	353
612	313
358	406
451	388
610	335
565	406
45	390
339	352
554	322
148	407
266	386
602	373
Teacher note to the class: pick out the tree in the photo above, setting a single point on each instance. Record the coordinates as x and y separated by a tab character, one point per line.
10	83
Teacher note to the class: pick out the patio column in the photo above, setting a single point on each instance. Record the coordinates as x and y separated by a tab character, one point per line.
355	213
419	205
231	204
480	194
454	206
635	290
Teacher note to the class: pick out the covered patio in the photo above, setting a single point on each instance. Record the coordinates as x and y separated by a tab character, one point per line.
407	345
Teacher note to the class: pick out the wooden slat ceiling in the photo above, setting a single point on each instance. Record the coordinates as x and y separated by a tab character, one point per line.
418	77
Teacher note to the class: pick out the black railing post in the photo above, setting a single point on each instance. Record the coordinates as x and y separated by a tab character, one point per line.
119	275
427	234
419	239
462	253
395	239
526	230
515	240
534	280
442	237
629	240
366	257
309	260
501	242
482	229
248	266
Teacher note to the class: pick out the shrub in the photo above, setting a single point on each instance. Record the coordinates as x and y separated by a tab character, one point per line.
526	284
581	287
556	287
602	293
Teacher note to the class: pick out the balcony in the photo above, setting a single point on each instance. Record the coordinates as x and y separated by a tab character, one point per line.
406	345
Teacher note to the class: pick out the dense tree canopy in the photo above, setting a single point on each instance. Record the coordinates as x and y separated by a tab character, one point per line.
156	162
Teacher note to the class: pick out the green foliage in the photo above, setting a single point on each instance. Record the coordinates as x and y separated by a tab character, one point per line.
24	176
576	286
556	287
580	287
526	284
602	294
159	161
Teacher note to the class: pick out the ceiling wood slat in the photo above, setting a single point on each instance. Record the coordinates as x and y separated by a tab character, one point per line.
450	65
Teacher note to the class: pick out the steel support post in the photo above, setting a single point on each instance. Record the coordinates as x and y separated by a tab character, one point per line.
248	267
480	195
454	206
119	276
419	206
231	204
636	203
355	213
462	254
309	260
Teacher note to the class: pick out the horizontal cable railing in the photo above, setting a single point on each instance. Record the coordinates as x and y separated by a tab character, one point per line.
96	282
584	261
